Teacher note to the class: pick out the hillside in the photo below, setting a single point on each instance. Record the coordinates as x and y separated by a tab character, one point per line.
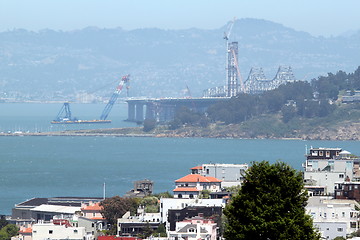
58	65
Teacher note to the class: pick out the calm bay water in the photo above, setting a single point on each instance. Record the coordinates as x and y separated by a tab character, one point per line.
79	166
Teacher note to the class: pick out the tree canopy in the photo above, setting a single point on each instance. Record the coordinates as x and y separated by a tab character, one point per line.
115	207
270	205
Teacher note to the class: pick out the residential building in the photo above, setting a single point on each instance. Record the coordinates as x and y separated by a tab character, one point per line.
194	229
30	211
61	229
348	190
326	166
176	215
191	186
167	204
334	217
133	225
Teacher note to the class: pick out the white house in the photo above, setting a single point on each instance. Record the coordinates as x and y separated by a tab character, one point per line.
58	230
334	217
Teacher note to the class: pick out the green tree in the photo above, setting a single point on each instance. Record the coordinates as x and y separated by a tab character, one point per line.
8	231
161	231
115	207
270	205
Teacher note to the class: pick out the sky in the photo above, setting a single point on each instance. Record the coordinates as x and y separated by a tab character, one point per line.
317	17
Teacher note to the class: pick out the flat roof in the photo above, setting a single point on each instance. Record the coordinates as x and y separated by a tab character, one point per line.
56	209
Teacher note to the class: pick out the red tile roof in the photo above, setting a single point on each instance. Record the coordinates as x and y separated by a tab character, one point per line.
186	189
94	207
97	218
26	230
197	178
196	168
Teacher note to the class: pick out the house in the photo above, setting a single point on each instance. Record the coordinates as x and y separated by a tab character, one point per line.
324	167
24	234
334	217
133	225
191	186
92	211
178	204
209	212
58	229
194	228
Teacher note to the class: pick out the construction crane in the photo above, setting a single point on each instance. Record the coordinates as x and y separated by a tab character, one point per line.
64	109
124	81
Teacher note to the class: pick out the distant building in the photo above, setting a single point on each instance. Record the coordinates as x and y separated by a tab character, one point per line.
324	167
141	188
334	217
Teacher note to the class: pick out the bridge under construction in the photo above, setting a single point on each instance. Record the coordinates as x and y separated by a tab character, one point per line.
163	110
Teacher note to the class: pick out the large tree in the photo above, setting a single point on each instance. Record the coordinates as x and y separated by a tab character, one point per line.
270	205
115	207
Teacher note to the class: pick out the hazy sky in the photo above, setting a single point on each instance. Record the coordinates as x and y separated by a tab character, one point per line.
318	17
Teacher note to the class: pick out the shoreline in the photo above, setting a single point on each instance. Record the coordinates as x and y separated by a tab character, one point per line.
113	133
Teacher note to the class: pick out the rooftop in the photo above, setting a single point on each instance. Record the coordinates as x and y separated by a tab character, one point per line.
197	178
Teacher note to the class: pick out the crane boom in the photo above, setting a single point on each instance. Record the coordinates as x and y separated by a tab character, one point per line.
124	80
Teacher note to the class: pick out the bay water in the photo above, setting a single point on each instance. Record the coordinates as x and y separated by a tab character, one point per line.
56	166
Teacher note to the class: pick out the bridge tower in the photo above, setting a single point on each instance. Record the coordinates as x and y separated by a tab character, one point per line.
232	70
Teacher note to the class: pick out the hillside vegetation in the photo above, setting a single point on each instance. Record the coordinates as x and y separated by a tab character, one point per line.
307	110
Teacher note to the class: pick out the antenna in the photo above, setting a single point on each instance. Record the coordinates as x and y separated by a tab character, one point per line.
104	191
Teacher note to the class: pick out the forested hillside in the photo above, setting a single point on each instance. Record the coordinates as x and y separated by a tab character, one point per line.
295	110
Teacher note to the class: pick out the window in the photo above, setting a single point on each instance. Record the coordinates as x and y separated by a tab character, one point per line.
327	154
191	196
343	214
340	229
75	231
191	230
353	224
207	171
341	175
50	231
321	153
179	195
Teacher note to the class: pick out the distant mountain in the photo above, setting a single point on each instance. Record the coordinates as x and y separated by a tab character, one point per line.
57	65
